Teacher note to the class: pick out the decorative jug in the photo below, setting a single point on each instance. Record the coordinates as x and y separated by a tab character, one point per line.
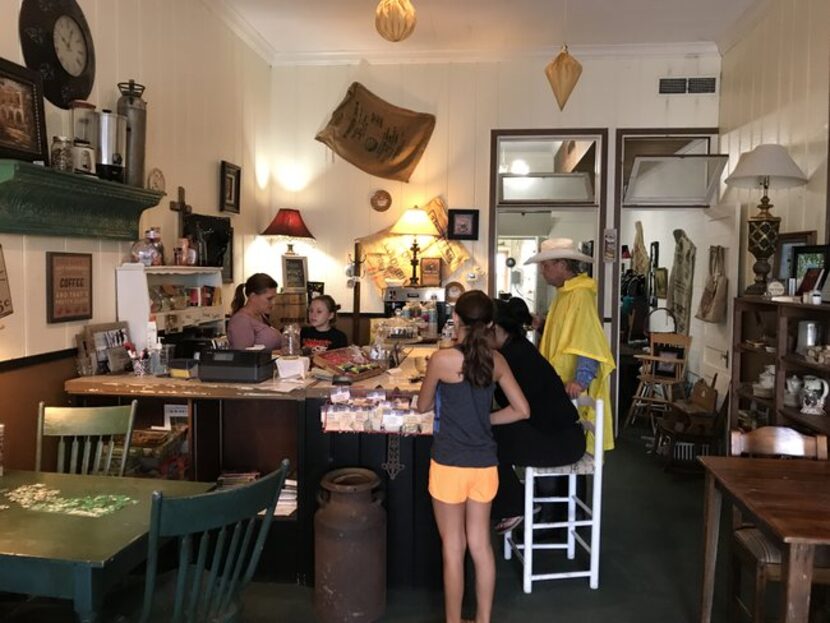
793	385
813	394
767	377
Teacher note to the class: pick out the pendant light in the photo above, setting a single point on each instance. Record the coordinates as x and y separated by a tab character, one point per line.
395	19
563	72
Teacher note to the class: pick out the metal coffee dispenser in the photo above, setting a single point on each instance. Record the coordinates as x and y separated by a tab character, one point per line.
134	109
112	146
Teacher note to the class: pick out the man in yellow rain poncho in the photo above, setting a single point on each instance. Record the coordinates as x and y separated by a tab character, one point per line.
573	340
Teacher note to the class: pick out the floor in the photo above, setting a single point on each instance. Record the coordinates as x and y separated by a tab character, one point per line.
650	563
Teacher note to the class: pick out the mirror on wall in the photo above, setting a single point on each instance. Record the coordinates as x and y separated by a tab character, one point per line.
545	184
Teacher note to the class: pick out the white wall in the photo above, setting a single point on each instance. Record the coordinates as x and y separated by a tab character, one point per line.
469	99
775	90
208	100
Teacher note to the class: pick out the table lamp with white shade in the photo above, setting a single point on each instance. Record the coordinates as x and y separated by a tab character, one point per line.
767	166
417	223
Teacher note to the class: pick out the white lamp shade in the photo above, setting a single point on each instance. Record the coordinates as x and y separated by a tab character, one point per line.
415	222
768	160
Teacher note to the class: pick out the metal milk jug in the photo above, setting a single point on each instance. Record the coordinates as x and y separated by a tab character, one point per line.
131	106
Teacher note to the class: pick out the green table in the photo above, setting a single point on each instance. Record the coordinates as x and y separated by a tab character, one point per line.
72	557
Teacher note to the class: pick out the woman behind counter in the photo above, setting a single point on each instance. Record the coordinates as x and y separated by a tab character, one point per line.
251	308
552	436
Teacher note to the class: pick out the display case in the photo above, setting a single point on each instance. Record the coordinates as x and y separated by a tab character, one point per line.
176	297
768	349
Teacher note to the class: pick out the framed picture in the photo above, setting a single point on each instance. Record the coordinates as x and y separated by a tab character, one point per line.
22	124
230	178
661	283
68	287
217	234
315	289
5	290
807	257
227	260
783	266
463	225
430	271
294	273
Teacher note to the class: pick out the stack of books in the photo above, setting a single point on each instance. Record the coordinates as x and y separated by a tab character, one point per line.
287	503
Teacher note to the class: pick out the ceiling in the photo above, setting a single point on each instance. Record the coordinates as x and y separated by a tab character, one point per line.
295	30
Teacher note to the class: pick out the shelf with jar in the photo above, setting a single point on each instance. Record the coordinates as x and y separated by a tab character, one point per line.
779	370
175	297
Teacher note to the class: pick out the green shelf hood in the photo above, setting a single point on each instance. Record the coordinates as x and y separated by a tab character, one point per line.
39	201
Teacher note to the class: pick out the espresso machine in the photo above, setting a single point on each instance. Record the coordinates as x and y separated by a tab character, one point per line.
396	297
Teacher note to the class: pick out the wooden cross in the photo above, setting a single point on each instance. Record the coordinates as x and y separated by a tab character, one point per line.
182	208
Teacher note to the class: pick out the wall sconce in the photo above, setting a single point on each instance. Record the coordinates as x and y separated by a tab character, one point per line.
415	222
767	166
288	224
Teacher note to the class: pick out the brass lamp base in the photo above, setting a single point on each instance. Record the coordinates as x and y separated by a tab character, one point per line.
414	261
762	243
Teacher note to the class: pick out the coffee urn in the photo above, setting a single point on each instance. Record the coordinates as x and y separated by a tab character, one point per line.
131	106
112	145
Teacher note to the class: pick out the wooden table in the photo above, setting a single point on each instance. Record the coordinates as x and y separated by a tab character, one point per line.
789	501
73	557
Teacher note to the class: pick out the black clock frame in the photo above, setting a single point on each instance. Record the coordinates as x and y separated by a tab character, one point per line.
36	26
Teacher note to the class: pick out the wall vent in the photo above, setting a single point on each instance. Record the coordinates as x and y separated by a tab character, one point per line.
692	86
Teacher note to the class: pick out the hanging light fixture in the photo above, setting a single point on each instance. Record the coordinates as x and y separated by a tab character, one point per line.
563	72
395	19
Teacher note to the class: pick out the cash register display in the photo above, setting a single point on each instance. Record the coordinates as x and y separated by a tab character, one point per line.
220	356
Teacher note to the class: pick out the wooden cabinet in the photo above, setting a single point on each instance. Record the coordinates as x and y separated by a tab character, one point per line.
137	288
766	332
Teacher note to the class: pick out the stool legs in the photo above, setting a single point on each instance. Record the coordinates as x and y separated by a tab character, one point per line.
527	551
571	516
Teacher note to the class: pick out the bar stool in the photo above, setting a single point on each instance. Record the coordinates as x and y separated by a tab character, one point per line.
590	465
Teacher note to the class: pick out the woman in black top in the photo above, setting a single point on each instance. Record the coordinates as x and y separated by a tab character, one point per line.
552	436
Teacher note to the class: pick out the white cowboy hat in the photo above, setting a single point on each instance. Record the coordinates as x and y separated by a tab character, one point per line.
558	249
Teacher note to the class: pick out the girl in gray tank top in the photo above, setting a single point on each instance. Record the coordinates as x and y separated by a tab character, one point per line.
458	385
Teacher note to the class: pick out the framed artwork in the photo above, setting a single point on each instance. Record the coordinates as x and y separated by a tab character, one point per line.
217	234
227	260
68	287
294	274
661	283
22	124
462	225
783	266
807	257
430	271
5	290
230	178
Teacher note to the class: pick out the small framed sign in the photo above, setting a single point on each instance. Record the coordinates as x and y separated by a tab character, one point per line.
68	287
463	225
430	271
294	273
230	178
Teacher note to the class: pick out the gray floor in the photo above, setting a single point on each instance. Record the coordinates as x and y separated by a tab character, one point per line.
650	563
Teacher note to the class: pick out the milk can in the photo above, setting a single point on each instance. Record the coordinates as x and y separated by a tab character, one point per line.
134	109
350	548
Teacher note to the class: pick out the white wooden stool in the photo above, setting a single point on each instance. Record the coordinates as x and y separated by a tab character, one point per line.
590	465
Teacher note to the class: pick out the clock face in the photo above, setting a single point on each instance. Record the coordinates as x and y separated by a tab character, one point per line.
57	43
70	45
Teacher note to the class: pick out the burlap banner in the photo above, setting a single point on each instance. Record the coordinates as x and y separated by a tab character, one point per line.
377	137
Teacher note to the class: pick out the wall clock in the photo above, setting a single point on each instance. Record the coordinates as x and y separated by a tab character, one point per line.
57	43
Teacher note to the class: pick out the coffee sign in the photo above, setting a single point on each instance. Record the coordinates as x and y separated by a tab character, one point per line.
69	286
5	290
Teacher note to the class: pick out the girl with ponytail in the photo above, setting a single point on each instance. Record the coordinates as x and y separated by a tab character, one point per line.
463	479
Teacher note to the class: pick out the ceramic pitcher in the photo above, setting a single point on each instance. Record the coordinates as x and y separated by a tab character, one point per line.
813	395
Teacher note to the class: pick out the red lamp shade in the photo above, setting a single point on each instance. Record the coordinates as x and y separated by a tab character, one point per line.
288	223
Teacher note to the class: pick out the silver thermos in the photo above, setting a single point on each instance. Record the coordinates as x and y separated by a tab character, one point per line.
134	109
112	146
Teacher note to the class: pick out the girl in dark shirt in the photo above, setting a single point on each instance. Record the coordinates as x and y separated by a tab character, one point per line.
321	335
552	436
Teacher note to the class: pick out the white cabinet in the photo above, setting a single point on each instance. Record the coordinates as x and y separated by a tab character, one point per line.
139	290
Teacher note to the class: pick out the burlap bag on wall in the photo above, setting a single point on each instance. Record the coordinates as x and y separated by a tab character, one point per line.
377	137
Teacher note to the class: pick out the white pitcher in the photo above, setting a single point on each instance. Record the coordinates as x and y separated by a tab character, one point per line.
813	394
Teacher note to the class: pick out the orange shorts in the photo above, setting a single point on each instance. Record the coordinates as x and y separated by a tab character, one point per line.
455	485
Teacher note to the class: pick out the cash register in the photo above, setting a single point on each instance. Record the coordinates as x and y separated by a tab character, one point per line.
236	366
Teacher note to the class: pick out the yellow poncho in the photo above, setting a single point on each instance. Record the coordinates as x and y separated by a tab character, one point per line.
573	329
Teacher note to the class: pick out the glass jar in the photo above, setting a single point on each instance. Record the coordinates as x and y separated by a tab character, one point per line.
61	154
291	339
156	238
145	251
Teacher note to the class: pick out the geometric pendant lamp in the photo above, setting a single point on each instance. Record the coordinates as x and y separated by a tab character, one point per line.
395	19
563	73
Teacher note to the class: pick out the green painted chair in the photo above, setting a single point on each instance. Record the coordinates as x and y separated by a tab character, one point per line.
219	546
86	437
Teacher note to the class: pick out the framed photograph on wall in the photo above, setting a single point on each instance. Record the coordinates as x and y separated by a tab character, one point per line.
462	225
230	179
294	273
68	287
783	265
661	283
22	124
430	271
810	257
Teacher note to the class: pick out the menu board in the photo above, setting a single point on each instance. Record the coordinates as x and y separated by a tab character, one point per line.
68	286
5	290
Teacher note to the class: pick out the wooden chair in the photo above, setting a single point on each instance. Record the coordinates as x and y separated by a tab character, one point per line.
591	464
220	537
94	427
662	376
695	422
749	545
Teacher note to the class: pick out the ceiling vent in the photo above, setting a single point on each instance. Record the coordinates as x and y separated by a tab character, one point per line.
701	85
